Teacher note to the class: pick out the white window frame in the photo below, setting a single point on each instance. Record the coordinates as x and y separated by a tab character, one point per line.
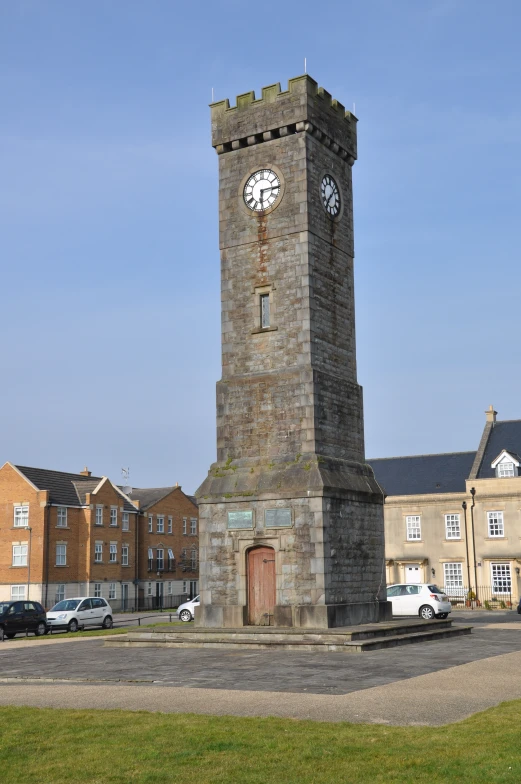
453	576
124	554
97	590
21	516
169	588
125	521
61	557
185	526
98	551
150	554
150	524
149	589
193	526
160	559
160	524
99	515
113	516
413	528
19	555
60	593
112	591
113	552
193	558
170	525
185	583
501	579
18	593
61	517
505	470
452	526
496	525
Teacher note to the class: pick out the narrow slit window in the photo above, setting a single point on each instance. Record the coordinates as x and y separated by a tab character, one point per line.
265	310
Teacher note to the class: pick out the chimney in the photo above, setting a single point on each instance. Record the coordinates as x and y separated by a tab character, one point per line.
491	415
85	472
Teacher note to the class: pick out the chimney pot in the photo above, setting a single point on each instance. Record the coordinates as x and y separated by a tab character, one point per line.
85	472
491	414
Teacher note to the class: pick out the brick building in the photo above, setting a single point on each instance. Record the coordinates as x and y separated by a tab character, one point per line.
65	534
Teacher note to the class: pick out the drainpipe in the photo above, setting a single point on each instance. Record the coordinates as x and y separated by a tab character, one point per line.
47	545
464	507
473	493
29	562
136	561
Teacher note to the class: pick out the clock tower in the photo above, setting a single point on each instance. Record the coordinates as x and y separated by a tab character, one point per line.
291	517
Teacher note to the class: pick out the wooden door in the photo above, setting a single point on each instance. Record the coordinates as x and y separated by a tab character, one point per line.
261	586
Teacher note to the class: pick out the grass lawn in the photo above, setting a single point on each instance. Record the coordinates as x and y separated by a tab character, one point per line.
98	747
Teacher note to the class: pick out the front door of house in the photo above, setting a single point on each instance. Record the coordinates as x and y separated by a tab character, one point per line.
124	596
261	586
413	573
159	595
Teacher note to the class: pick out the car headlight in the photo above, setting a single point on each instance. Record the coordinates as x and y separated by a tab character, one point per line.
61	617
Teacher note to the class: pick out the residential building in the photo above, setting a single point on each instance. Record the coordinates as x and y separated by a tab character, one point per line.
455	518
65	535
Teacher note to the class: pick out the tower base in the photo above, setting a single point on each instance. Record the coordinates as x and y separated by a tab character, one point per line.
303	616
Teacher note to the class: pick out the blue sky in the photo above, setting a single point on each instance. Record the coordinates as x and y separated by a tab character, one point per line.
108	218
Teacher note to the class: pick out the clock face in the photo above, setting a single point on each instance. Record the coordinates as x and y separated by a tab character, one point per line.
261	190
330	195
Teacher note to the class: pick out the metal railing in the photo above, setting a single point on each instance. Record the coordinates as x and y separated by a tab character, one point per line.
482	597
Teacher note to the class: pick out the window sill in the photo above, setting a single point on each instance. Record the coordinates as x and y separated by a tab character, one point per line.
19	527
63	527
413	541
495	538
18	566
61	566
453	540
263	329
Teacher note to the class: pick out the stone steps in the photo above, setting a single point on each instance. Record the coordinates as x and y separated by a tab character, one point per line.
348	640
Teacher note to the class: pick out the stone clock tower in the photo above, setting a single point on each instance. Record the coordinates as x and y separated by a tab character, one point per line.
291	518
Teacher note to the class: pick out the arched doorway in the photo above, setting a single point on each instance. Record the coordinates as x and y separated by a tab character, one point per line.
261	585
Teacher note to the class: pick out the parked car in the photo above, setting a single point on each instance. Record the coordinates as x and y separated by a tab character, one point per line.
72	614
519	608
185	611
19	617
425	600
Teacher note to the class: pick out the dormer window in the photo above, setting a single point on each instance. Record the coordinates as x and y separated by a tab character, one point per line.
505	469
506	465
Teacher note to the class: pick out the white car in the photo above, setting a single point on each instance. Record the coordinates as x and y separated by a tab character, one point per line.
73	614
425	600
185	611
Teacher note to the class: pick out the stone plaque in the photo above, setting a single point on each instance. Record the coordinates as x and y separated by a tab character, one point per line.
277	518
242	519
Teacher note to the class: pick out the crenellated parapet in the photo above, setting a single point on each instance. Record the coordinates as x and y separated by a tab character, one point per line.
303	108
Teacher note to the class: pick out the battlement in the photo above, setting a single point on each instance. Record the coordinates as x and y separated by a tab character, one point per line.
253	120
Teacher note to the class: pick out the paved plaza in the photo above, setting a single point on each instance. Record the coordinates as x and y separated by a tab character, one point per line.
428	683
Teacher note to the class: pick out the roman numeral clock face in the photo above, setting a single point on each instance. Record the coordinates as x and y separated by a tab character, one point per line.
261	190
330	194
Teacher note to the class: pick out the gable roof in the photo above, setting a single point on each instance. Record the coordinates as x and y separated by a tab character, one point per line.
149	496
67	489
422	474
503	436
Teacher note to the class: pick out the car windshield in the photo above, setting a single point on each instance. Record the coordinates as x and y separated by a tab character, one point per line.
196	599
434	589
67	605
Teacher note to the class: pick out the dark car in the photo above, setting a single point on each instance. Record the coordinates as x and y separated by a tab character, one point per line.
22	617
519	607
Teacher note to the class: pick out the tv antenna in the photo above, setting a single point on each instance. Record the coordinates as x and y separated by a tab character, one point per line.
127	487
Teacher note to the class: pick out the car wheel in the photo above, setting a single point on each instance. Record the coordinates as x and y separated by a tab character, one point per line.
185	615
73	625
107	622
442	616
2	634
427	613
41	629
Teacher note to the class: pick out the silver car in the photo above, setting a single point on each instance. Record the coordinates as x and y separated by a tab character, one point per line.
186	611
73	614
